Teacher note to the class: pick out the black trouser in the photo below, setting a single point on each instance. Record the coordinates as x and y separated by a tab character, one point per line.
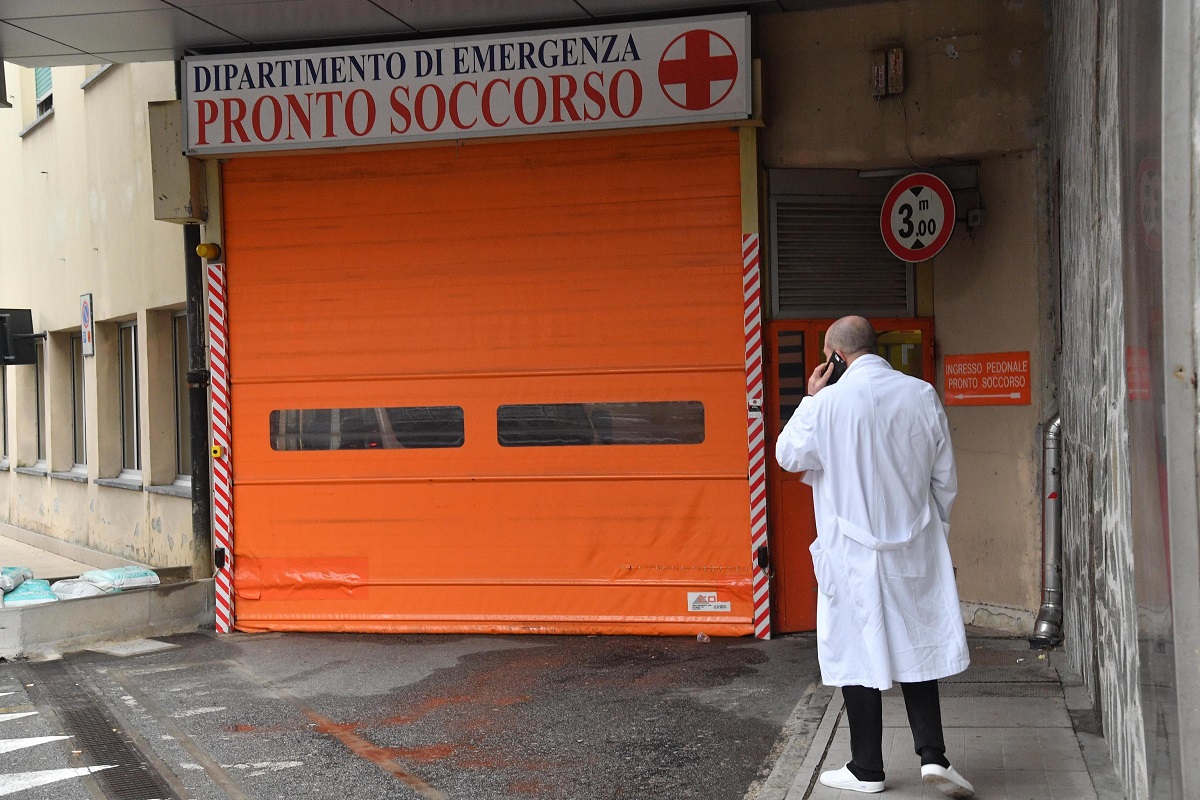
864	711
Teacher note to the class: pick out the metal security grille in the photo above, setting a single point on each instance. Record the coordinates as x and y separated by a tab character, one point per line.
829	259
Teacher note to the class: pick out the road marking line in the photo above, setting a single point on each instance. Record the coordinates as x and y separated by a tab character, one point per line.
218	776
266	766
8	745
20	781
17	715
194	711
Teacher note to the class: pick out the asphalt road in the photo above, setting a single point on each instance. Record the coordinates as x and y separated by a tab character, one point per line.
428	717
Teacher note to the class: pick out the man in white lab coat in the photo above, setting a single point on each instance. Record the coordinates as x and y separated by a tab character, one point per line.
875	447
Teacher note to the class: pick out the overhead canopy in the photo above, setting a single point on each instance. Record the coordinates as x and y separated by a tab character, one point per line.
44	33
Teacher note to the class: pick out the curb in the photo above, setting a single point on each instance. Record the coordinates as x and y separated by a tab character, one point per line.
53	628
1088	730
803	752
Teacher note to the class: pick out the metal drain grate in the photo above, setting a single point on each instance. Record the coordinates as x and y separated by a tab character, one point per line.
98	735
1018	689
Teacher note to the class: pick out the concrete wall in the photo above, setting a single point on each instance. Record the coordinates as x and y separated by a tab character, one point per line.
1117	569
974	91
974	82
990	295
76	216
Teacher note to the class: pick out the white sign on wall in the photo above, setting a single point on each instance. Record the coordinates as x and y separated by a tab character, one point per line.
653	73
87	325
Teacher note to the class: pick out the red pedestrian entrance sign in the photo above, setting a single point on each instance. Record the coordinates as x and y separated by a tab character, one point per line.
917	217
698	70
987	379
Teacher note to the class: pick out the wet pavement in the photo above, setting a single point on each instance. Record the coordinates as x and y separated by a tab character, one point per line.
359	716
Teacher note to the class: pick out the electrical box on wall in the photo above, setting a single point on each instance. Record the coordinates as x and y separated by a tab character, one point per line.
16	336
887	72
895	71
878	73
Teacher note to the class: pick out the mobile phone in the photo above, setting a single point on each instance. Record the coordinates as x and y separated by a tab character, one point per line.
839	369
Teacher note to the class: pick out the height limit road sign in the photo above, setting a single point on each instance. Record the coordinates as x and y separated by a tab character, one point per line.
917	217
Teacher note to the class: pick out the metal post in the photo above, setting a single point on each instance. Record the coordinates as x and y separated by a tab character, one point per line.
197	378
1047	630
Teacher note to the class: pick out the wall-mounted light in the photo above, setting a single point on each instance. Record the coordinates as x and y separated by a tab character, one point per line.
208	250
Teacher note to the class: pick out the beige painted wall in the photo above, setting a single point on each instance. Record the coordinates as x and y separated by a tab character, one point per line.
986	300
974	82
975	88
76	216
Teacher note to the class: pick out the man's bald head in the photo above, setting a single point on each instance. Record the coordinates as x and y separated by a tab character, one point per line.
852	337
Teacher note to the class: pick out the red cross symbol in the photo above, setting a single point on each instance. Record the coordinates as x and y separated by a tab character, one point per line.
692	64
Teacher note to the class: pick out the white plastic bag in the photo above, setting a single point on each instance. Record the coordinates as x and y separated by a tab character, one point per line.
72	588
121	578
12	577
30	593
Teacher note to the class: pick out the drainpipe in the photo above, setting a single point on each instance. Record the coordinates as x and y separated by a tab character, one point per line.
197	379
1047	630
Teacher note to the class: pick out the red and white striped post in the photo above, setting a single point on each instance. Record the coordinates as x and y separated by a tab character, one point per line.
756	432
222	477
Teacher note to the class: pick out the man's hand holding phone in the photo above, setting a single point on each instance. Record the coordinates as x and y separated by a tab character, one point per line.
827	373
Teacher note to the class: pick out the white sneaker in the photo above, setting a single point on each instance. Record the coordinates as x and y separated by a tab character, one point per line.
947	781
844	779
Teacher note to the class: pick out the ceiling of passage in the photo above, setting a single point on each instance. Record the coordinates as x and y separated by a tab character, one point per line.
42	33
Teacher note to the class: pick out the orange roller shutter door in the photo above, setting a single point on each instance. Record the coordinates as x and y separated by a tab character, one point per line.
588	270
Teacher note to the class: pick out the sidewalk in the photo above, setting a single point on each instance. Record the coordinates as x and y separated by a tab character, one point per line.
45	565
177	605
1017	726
51	558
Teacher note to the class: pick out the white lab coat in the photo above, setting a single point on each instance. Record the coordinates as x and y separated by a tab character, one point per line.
875	448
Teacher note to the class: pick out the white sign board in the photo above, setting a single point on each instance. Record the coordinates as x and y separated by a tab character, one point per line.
917	217
653	73
87	325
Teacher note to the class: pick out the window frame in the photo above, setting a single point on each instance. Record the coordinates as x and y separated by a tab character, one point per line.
78	405
129	472
182	399
3	417
41	437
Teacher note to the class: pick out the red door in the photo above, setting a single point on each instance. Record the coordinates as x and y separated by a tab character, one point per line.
796	347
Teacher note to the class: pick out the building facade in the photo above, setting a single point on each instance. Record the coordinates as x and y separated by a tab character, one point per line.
93	452
527	381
